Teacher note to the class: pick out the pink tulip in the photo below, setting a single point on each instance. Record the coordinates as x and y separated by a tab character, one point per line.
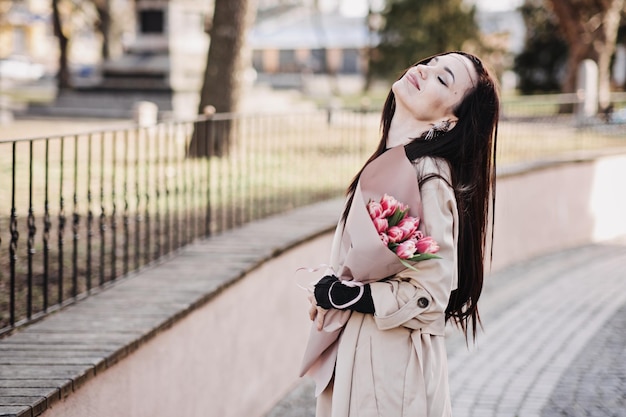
417	235
384	238
381	225
406	249
375	210
389	205
409	226
427	245
395	234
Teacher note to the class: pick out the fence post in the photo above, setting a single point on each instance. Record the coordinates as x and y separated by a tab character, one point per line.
6	113
145	113
587	90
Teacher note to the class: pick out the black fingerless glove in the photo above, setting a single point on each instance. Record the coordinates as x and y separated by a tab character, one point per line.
330	287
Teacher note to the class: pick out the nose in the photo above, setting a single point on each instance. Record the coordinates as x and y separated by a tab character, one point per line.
422	71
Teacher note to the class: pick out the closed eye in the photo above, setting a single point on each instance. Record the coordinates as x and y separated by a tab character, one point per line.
442	81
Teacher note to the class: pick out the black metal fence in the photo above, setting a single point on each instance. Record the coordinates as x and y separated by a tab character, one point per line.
77	212
545	127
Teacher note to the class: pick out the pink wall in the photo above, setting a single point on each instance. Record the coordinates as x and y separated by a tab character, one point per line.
235	356
558	206
240	353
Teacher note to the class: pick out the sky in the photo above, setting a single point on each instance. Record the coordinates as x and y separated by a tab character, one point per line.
359	7
498	5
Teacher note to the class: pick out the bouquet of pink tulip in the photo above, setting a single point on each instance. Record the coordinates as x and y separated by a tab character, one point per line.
398	231
360	256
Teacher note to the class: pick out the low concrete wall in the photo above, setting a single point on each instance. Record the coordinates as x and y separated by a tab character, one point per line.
235	356
239	353
552	206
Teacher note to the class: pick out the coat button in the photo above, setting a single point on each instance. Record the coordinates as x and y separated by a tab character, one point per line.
422	302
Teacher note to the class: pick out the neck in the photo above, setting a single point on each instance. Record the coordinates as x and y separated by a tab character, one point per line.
404	128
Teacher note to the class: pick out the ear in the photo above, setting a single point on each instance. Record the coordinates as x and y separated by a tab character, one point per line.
445	125
451	123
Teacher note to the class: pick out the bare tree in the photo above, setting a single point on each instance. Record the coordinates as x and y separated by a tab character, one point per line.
223	74
590	28
110	20
63	76
103	25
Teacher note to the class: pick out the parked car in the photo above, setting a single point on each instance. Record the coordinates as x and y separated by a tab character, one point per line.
20	68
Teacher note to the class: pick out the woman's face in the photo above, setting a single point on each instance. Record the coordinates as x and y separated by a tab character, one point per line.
430	92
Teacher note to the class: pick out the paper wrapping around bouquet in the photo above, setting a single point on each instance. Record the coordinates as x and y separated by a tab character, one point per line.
363	256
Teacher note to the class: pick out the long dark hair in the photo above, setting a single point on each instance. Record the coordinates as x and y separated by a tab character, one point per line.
470	150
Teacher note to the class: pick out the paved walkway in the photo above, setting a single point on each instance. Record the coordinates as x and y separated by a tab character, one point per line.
554	342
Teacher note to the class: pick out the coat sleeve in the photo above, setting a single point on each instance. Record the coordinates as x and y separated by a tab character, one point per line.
415	299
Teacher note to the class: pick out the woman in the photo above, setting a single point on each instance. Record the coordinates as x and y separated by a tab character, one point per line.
390	358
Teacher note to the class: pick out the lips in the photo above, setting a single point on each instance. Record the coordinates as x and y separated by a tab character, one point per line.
411	78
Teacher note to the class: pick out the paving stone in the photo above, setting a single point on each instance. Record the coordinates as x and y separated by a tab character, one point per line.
36	404
46	385
50	371
30	392
298	403
72	339
20	358
16	411
597	377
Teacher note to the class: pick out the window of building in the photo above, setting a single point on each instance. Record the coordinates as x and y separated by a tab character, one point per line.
152	21
350	61
317	61
287	61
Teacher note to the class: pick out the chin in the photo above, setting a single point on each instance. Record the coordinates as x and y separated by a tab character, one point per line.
394	87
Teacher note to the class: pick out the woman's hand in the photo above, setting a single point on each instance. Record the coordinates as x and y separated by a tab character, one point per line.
316	313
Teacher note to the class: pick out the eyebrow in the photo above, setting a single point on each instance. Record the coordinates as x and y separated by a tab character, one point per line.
447	69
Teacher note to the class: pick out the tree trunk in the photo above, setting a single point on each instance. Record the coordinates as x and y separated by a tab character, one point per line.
611	25
223	74
63	76
590	27
104	27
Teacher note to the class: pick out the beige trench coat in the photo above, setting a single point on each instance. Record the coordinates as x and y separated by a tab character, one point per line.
393	363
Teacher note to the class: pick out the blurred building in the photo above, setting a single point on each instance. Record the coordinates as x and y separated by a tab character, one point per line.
162	60
166	50
23	26
293	47
303	44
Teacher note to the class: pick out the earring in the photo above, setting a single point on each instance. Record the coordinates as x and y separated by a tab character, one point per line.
438	129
